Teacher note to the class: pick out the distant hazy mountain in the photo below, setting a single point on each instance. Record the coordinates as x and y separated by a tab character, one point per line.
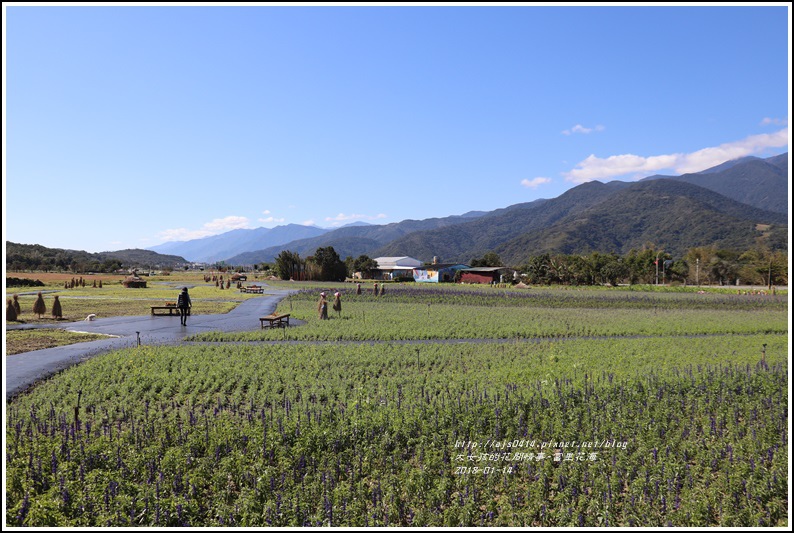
351	240
231	243
762	183
356	223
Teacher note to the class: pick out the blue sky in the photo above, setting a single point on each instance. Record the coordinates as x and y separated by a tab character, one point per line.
130	126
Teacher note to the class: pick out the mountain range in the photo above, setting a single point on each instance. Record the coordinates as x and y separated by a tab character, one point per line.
731	205
231	243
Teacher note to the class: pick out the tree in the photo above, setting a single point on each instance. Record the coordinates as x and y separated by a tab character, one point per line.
724	267
678	271
762	266
641	264
331	267
366	265
39	307
537	270
611	269
490	259
698	259
289	265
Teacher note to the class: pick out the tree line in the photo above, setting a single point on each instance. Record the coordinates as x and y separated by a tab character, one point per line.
324	265
704	265
650	265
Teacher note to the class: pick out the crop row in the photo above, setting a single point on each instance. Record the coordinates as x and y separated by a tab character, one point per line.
371	436
362	319
553	298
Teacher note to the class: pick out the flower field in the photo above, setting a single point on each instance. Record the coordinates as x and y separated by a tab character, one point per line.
421	313
666	430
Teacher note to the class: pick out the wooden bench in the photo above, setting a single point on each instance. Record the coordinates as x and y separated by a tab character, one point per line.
171	310
256	289
275	321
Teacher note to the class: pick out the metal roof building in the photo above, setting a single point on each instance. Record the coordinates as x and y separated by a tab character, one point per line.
396	267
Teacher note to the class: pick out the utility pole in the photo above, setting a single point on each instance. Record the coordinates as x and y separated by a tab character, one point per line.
769	279
697	271
657	268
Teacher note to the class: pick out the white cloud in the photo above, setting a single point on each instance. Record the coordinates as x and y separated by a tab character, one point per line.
270	220
581	129
341	217
775	121
309	222
596	168
227	223
213	227
535	182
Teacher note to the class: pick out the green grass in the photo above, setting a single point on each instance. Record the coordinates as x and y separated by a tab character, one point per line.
20	341
112	301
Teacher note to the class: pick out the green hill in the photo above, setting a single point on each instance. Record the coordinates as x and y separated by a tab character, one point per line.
37	257
671	214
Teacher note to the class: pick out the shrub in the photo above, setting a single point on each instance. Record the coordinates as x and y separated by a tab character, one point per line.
23	282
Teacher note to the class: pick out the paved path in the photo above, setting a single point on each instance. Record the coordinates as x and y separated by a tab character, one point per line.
23	370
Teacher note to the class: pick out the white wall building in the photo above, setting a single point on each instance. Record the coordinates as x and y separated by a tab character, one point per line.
396	267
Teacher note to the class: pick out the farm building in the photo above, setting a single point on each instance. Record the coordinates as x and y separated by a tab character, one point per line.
484	275
396	267
437	272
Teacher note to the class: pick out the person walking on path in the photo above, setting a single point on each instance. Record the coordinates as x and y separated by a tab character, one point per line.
322	307
338	304
184	304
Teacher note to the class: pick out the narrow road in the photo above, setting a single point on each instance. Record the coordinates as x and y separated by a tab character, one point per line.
25	369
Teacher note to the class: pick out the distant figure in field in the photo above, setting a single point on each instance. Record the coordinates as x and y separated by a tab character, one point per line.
382	289
338	303
184	304
358	288
322	307
17	308
375	290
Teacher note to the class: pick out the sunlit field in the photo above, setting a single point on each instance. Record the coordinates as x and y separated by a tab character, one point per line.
539	407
